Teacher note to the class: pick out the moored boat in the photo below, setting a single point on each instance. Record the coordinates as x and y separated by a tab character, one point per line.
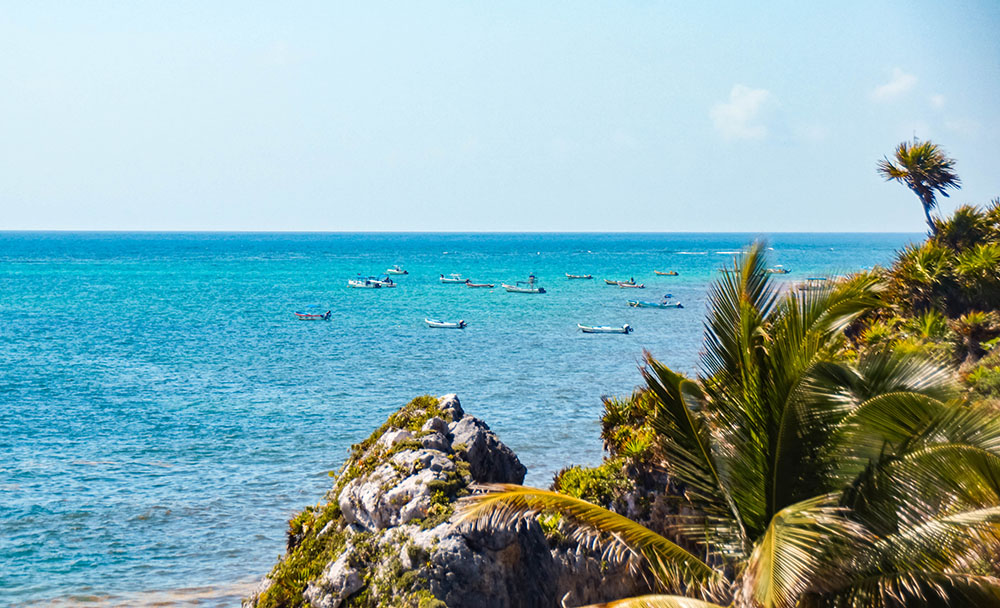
396	270
445	324
364	283
579	276
314	316
524	286
605	329
384	281
644	304
521	287
453	278
632	285
469	283
614	282
669	273
779	269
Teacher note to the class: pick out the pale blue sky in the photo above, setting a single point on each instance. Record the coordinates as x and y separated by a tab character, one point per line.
591	116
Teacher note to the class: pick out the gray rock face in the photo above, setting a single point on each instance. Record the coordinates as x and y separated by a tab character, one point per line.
338	582
392	552
490	460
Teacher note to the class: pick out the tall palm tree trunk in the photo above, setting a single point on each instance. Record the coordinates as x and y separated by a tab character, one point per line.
930	220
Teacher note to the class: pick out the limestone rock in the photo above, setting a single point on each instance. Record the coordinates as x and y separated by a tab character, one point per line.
338	582
489	459
436	441
404	547
450	404
394	436
435	425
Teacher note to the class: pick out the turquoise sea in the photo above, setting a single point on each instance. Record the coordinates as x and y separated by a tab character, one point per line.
163	413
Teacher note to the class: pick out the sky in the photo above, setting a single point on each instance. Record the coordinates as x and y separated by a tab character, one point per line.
488	116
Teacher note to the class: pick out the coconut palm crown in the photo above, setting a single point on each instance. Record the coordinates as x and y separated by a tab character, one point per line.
806	479
925	169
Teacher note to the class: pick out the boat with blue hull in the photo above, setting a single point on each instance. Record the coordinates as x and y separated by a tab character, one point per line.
605	329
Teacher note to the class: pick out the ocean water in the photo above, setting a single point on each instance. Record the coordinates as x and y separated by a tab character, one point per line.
163	413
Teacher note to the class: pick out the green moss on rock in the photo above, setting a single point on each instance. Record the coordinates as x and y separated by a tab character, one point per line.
309	551
308	554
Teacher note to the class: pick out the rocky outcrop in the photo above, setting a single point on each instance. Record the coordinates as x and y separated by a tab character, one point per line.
388	535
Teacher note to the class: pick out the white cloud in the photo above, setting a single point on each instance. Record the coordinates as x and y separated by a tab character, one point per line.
937	101
900	83
738	118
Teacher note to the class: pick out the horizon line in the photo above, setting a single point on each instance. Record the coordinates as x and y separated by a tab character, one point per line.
223	231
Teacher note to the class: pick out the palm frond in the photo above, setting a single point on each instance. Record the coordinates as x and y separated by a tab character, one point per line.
686	450
734	364
890	426
807	329
928	588
673	566
800	552
656	601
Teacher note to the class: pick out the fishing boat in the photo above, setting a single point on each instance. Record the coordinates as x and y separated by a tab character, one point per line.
453	278
445	324
524	286
579	276
365	283
644	304
669	273
632	285
614	282
469	283
605	329
779	269
314	316
384	281
396	270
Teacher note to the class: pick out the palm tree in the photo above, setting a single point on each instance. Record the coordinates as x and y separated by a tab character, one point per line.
807	480
925	169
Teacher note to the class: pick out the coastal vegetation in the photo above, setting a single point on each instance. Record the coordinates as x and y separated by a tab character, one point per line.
942	299
808	472
839	446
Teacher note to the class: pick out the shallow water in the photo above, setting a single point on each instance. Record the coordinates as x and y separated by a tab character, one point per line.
164	413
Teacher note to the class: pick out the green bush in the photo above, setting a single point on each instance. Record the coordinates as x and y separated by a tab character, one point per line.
600	485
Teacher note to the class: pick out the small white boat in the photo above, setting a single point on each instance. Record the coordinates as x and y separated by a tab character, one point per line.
385	282
669	273
524	286
453	278
664	304
364	283
779	269
445	324
579	276
632	285
469	283
396	270
605	329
